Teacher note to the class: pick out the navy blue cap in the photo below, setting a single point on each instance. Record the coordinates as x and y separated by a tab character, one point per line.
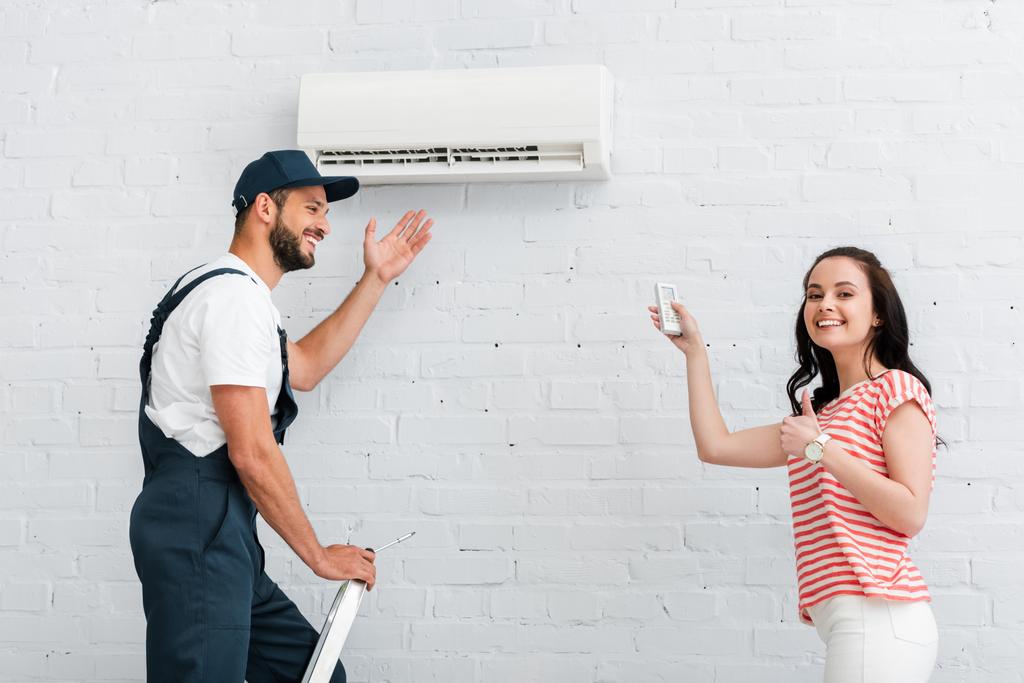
287	168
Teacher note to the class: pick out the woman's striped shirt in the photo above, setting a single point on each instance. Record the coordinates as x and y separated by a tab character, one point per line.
841	549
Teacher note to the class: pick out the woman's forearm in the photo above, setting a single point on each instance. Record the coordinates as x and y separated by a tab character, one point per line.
754	447
706	421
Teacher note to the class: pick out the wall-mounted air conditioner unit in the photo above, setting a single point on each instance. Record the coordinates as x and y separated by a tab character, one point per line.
537	123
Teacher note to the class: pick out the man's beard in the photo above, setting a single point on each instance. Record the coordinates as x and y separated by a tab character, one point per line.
287	248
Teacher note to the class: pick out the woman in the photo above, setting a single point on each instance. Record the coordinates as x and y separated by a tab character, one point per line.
860	456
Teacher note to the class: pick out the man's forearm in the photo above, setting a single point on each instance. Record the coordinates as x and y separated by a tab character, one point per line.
268	480
325	346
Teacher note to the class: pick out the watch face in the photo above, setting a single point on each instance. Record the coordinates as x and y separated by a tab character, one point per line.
814	451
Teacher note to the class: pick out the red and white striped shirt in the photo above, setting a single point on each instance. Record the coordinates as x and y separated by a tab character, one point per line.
841	548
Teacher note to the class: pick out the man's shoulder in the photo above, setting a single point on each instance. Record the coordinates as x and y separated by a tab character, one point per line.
224	293
233	265
220	292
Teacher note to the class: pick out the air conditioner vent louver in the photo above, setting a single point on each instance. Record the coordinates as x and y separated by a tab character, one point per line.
451	156
495	153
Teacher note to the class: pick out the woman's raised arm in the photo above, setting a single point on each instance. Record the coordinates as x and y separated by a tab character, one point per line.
754	447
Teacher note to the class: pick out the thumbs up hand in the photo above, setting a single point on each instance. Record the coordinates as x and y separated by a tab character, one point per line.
805	401
799	431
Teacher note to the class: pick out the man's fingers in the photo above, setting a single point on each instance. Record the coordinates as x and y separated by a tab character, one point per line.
424	231
402	223
410	229
426	227
368	554
369	575
408	218
415	232
418	245
411	225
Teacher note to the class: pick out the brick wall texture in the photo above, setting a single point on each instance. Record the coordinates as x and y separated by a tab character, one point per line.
509	400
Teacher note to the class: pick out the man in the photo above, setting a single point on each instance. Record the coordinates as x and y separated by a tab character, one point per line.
217	377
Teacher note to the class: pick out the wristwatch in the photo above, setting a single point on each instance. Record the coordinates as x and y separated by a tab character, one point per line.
815	450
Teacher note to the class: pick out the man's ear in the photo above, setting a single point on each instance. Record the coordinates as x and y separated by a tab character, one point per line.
264	207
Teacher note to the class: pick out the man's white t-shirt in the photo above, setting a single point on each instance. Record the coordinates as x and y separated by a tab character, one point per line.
223	332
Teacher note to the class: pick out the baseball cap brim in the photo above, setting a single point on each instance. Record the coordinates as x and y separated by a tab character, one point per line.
336	187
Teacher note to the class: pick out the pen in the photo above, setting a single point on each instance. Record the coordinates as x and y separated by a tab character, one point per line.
397	540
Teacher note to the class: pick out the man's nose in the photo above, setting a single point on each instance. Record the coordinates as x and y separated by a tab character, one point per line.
324	225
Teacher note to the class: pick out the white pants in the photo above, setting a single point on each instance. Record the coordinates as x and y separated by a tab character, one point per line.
871	640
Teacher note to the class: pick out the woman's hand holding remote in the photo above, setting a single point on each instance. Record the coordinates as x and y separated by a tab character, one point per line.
690	340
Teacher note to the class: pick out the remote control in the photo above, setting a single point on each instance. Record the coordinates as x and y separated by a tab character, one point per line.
665	294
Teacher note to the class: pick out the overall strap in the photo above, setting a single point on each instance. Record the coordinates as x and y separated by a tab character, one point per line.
178	296
163	309
286	408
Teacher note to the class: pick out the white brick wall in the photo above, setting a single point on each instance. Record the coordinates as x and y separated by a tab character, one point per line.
510	401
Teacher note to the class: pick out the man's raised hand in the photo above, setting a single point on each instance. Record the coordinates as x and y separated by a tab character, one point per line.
388	258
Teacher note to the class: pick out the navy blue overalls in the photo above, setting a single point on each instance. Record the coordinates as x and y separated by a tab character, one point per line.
212	613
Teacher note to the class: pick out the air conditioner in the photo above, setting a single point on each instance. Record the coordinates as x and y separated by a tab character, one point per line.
536	123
